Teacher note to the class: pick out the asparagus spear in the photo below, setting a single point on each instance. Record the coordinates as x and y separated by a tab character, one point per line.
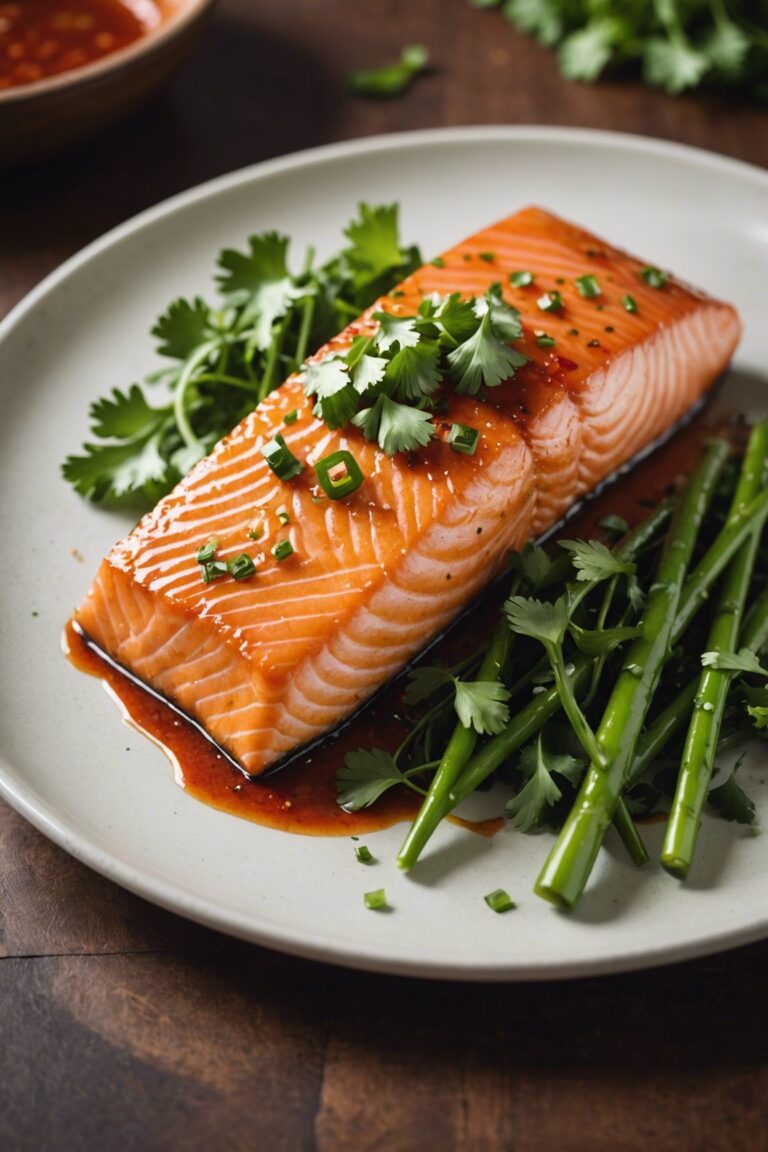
526	723
704	728
440	798
570	861
754	635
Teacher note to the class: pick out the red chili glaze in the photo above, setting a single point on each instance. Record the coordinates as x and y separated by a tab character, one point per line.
41	38
302	796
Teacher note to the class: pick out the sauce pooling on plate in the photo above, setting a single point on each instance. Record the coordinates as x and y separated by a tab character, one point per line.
42	38
301	797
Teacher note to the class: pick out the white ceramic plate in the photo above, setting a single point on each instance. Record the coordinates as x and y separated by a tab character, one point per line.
108	796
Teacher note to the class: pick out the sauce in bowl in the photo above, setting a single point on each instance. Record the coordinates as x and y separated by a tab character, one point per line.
43	38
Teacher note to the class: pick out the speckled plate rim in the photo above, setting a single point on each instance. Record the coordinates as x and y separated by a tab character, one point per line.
324	947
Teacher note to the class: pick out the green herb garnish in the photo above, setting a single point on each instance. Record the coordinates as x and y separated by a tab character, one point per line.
629	302
363	854
376	901
339	474
499	901
464	439
550	302
280	458
654	277
241	567
394	79
282	550
588	287
521	279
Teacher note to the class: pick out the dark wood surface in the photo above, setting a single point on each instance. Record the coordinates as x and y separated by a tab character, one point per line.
124	1028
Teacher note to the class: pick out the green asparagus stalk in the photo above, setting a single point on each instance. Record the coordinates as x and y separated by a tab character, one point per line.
441	796
570	861
709	706
673	718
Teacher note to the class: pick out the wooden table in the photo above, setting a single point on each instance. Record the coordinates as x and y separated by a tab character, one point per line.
124	1028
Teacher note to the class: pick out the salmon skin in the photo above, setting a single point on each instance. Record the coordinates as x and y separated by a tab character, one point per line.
269	664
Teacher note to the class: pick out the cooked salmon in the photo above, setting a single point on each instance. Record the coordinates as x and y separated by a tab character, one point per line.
269	664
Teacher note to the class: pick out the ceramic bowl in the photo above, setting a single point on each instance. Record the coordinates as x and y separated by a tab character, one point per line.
48	115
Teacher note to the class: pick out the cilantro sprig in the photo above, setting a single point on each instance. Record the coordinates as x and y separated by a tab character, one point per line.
223	358
387	384
675	46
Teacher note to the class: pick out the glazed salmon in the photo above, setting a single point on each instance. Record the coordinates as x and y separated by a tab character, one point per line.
270	663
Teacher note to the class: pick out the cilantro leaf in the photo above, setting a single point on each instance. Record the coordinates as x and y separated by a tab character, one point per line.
397	427
425	682
483	360
394	79
759	714
602	640
457	318
594	561
110	473
742	661
584	54
412	372
540	791
368	373
400	330
330	382
540	18
504	318
125	415
538	619
259	281
482	705
182	328
375	244
614	525
672	64
730	801
365	776
726	47
533	562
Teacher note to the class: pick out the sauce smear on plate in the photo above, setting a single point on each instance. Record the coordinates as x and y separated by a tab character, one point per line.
301	797
41	38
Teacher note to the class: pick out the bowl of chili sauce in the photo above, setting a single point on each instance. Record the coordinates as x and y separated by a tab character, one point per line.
68	68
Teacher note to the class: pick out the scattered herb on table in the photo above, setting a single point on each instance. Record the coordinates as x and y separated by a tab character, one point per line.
674	46
393	79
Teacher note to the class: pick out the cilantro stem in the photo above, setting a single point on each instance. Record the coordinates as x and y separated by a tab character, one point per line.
244	385
460	748
569	864
180	399
713	686
273	352
307	316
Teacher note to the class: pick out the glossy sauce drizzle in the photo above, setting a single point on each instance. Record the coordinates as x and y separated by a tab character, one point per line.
301	797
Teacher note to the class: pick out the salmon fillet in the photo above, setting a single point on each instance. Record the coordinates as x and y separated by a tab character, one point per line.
268	664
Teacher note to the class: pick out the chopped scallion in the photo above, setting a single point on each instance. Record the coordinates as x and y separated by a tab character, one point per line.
544	340
587	286
521	279
213	570
339	474
464	439
629	303
363	854
207	553
291	417
376	901
489	257
282	550
438	262
241	567
283	516
550	302
499	901
255	533
654	277
280	458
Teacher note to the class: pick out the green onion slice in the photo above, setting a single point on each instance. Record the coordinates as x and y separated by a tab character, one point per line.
291	417
282	550
207	552
376	901
280	458
212	570
363	854
339	474
463	438
544	340
499	901
241	567
521	279
550	302
654	277
588	286
629	303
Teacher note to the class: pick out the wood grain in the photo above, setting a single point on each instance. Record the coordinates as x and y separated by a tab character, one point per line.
125	1028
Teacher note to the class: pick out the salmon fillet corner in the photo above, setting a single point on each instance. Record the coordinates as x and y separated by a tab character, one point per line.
269	664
